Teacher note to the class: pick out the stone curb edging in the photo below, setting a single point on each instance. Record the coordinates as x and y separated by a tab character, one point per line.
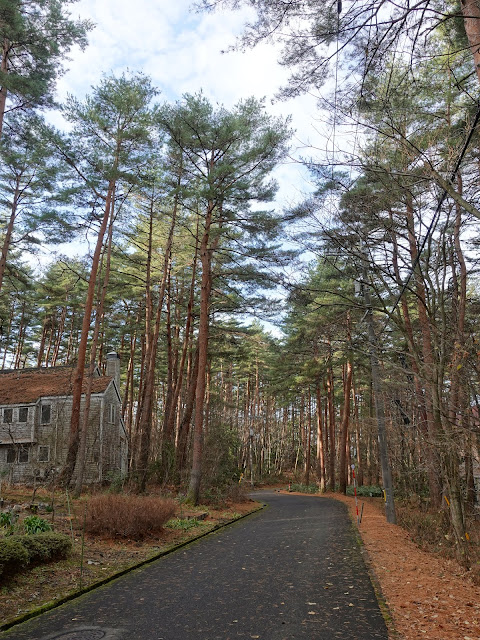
53	604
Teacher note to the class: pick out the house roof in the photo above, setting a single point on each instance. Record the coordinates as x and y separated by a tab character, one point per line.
28	385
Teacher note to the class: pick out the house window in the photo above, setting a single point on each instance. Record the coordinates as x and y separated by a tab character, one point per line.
43	453
111	413
8	416
18	454
46	413
23	414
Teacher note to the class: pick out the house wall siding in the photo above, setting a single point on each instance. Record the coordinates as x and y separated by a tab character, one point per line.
102	459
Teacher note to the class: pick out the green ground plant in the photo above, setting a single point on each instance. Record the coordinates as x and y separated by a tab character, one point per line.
34	524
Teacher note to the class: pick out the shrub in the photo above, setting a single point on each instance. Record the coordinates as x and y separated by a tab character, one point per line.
47	546
117	481
127	516
34	524
427	528
13	555
371	491
304	488
16	552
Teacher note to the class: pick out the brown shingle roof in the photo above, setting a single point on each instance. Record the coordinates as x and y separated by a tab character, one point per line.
27	385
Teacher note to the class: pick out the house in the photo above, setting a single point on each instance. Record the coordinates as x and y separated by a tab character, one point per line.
35	412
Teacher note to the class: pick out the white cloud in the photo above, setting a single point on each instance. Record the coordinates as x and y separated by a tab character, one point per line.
182	52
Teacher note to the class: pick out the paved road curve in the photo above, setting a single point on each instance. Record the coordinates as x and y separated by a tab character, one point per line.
293	571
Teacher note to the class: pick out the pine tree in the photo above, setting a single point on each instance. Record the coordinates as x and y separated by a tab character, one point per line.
35	36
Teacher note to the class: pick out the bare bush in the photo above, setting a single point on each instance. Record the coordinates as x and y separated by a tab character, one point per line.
127	516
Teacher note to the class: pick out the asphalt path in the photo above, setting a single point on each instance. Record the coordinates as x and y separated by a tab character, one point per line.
291	571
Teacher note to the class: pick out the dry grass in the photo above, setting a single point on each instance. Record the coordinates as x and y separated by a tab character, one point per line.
133	517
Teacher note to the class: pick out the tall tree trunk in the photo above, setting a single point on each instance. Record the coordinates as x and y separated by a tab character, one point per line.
331	429
170	422
379	408
71	458
82	451
145	421
429	365
184	428
320	443
471	21
309	439
11	221
347	388
3	88
203	334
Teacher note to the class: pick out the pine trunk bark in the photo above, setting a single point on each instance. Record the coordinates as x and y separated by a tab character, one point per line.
9	231
203	334
471	20
73	444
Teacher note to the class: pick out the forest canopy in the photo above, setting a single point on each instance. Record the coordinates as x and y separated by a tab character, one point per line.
375	362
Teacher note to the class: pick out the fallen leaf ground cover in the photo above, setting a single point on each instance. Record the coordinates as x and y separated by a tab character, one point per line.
429	596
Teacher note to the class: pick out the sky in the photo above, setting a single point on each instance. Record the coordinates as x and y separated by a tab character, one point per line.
181	51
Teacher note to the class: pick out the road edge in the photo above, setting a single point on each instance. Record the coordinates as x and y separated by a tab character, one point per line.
385	609
53	604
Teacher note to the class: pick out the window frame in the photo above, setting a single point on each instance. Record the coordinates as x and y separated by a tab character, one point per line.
43	447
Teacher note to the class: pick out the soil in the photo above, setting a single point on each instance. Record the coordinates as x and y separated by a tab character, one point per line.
427	595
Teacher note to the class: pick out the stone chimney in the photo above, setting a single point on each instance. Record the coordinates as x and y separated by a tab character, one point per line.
113	367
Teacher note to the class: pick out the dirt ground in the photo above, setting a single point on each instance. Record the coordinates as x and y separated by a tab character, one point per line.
429	597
